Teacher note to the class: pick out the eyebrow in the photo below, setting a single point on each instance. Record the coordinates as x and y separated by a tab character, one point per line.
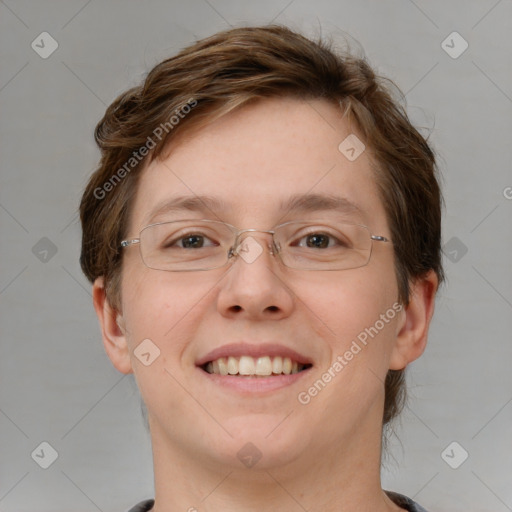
202	204
320	202
298	203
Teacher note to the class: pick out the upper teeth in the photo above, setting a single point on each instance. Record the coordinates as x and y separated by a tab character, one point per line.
247	365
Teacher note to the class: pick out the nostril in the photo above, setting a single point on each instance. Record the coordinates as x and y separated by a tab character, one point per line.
273	308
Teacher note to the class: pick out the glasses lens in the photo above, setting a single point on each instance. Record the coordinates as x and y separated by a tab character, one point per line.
323	246
185	245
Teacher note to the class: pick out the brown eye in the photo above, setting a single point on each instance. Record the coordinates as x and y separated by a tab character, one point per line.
317	241
189	241
192	241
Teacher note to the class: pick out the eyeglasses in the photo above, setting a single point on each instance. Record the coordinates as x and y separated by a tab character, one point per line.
192	245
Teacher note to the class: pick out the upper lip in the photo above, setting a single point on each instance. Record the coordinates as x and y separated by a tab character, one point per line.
253	350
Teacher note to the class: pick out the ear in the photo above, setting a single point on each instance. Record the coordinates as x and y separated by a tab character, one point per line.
414	323
112	328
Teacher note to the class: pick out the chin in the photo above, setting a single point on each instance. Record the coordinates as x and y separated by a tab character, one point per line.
259	442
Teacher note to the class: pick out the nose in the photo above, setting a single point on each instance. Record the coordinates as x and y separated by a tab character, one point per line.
255	287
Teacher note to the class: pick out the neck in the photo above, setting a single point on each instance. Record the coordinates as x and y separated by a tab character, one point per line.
344	478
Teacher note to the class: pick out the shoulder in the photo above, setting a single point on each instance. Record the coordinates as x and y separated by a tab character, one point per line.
405	502
399	499
143	506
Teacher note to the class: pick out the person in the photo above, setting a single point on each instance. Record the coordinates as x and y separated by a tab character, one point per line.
262	235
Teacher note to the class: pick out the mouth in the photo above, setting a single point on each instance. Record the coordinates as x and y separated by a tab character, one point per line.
248	366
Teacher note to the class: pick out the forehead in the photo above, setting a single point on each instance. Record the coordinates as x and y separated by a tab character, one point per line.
275	158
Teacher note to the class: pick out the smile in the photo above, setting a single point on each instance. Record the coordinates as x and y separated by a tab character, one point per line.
248	366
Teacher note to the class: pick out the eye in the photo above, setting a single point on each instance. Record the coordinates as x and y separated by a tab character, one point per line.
319	240
189	241
192	241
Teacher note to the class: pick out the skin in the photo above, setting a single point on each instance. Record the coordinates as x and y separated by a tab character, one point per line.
323	456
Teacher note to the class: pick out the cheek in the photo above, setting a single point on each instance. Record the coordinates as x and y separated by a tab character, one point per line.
354	318
162	307
166	309
342	306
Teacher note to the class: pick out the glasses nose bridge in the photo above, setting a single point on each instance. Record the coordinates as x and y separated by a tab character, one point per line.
239	238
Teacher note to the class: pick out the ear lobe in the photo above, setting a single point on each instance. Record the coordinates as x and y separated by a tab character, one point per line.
112	329
412	336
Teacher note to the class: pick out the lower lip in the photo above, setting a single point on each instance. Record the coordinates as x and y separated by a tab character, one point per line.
254	385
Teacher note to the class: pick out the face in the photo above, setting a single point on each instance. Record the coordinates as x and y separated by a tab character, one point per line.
251	163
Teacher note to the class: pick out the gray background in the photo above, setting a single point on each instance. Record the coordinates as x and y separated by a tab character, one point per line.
57	384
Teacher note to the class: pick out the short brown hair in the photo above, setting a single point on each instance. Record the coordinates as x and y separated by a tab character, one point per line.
229	70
